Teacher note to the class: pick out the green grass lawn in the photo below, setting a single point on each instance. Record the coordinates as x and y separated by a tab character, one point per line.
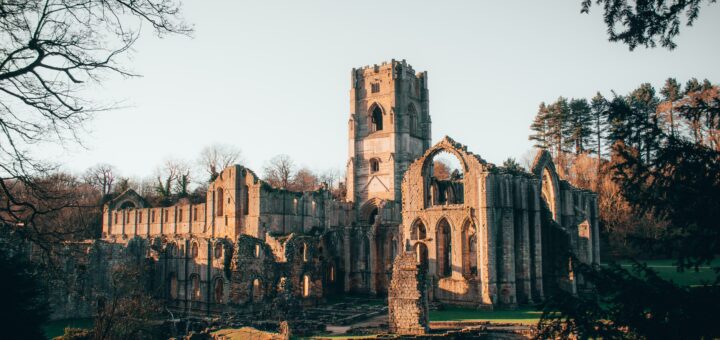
523	315
57	327
667	270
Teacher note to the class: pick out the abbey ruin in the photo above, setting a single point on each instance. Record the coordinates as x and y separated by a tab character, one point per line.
488	236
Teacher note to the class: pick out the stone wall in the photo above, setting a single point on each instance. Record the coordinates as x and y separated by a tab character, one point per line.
408	298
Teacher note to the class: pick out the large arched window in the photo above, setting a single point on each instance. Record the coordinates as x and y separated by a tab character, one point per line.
376	119
418	231
469	250
444	179
219	197
413	120
444	249
548	191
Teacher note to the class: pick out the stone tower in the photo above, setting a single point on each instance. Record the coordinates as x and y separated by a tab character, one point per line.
389	127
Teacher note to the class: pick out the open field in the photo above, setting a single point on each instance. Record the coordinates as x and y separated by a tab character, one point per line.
522	315
667	270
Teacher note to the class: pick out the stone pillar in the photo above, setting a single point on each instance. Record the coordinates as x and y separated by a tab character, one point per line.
372	259
522	246
347	257
507	290
487	241
595	230
407	296
536	245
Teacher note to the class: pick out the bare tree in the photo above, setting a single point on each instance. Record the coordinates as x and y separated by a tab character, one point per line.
331	177
50	52
102	177
304	180
279	171
173	177
441	170
216	157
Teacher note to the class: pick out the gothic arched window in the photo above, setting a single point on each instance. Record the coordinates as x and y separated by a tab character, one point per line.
219	202
377	119
413	118
374	165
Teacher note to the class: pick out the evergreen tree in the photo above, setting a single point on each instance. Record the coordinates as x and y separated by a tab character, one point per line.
618	118
599	112
644	120
540	128
578	131
671	93
557	121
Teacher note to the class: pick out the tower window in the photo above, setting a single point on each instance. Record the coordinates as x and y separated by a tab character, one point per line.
375	87
377	119
374	165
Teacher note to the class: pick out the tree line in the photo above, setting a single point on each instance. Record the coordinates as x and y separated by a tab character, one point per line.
656	168
582	135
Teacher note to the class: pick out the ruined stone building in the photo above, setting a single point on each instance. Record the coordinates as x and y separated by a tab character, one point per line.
488	236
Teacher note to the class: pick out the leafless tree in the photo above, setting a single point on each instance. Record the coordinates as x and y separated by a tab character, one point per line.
304	180
279	171
51	53
331	177
216	157
102	177
173	177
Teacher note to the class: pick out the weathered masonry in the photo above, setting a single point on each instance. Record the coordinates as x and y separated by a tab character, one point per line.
487	236
493	237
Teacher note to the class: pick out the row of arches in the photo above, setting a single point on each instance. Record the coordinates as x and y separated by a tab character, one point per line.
173	250
443	242
194	291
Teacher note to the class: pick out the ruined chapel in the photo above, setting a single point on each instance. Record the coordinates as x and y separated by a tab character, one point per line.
488	236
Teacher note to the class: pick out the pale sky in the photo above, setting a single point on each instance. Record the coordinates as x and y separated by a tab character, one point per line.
273	77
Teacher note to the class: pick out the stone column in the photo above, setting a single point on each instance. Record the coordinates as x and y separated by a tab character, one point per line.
522	250
536	245
372	259
347	257
507	290
486	240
